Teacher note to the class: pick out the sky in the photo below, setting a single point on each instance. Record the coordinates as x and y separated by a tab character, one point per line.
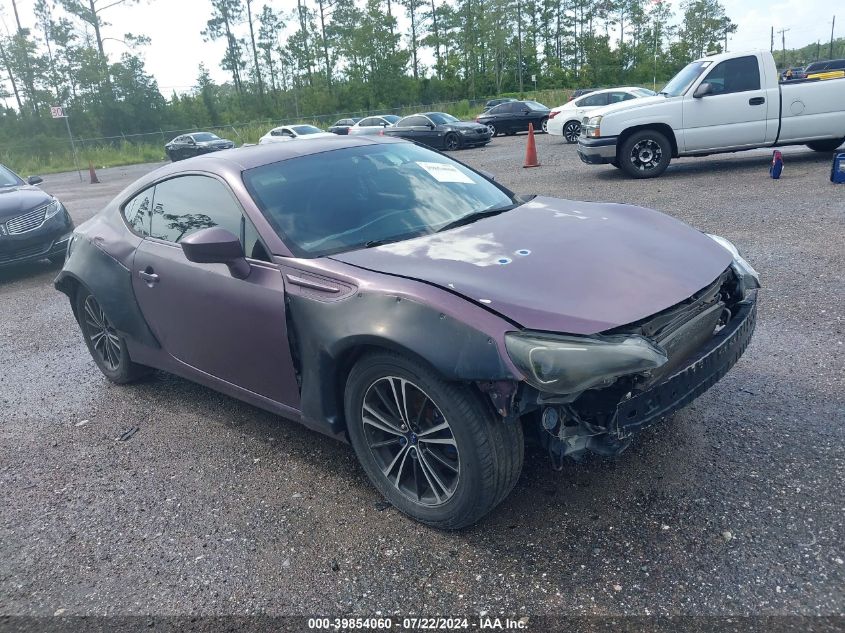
177	47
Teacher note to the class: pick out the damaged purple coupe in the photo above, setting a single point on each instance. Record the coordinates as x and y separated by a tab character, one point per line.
409	305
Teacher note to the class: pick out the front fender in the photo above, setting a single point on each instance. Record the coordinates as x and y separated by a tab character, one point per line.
327	336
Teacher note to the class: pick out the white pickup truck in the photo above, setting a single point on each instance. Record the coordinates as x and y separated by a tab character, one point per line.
723	103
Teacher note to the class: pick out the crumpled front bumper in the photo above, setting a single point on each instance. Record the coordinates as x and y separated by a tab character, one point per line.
701	372
597	151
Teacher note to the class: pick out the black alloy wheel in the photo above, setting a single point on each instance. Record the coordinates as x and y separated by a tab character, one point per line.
435	449
571	131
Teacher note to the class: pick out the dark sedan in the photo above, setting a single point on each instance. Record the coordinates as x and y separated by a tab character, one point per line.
494	102
33	224
195	144
510	118
421	315
440	130
342	126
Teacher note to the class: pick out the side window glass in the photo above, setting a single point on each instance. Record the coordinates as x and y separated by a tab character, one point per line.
367	122
416	121
139	210
187	204
735	75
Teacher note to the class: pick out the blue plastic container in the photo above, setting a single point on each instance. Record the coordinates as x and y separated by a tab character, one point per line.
837	170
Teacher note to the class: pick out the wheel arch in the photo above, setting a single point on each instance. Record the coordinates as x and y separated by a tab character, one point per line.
665	129
339	333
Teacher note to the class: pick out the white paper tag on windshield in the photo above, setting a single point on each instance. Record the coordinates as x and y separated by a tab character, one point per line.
443	172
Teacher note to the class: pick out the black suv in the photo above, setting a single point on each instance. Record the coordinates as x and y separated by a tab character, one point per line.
33	224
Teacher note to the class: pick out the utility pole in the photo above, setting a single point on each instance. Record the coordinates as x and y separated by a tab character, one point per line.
783	42
772	46
832	24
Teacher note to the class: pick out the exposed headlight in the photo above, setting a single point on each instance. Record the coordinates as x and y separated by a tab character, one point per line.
749	279
54	208
464	130
570	364
592	126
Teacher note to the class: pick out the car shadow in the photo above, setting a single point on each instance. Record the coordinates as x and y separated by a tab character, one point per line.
27	270
757	163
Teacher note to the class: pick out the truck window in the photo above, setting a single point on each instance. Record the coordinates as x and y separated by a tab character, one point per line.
735	75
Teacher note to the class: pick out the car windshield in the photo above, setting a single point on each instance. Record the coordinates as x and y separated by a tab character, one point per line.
302	130
681	82
644	92
8	178
441	118
391	192
205	136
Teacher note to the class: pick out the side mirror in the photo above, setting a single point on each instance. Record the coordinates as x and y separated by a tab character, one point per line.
488	175
431	126
34	180
217	246
704	88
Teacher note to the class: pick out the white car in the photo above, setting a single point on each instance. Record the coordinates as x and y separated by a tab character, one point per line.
565	120
373	124
292	132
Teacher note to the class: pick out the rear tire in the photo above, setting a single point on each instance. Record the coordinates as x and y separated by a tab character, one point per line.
493	130
825	146
544	126
645	154
469	463
571	131
107	347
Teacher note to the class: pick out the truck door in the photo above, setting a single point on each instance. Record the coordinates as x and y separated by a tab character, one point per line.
733	111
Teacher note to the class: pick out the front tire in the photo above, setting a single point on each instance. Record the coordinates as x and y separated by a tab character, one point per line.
434	449
825	146
645	154
106	345
571	131
451	142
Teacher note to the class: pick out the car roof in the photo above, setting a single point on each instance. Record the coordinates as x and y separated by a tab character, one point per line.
617	89
251	156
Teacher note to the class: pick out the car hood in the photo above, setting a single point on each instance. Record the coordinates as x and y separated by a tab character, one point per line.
224	143
17	200
631	104
463	125
559	265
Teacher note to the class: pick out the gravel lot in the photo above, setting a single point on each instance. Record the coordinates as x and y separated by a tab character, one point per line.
735	506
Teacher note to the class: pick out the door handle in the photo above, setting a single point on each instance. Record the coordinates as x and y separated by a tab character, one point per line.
756	101
150	278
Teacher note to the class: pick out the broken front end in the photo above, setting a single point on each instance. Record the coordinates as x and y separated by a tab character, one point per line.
593	392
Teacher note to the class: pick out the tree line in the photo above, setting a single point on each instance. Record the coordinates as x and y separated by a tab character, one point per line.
328	56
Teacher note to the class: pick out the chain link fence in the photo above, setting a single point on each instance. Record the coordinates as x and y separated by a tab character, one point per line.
46	154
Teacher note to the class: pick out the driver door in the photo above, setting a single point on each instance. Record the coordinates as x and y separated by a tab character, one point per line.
734	115
232	329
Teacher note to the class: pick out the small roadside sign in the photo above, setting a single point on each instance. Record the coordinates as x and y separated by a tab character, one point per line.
533	77
57	112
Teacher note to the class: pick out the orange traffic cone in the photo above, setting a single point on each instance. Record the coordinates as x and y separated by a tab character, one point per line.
93	174
531	149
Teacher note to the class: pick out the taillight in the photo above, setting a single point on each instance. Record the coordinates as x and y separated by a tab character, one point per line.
553	114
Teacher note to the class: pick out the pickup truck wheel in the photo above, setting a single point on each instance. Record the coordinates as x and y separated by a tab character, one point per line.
434	449
825	146
645	154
